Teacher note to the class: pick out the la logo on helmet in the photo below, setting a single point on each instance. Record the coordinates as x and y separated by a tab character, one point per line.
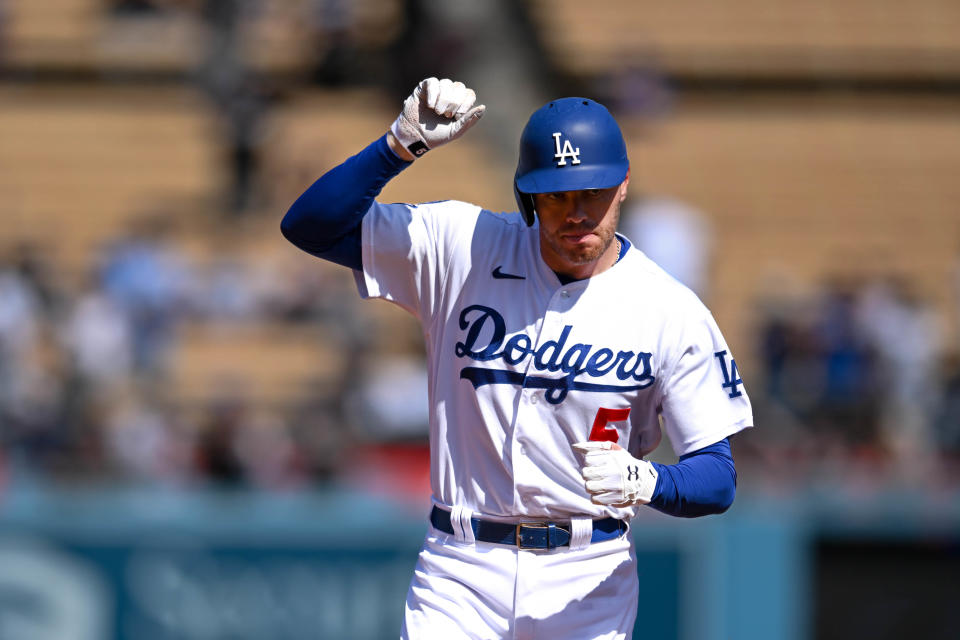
567	152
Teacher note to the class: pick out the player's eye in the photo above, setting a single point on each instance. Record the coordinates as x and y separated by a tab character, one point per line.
594	193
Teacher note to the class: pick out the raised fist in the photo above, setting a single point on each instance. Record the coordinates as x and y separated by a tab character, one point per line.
437	112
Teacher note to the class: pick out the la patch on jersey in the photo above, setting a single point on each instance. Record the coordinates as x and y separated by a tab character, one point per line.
522	366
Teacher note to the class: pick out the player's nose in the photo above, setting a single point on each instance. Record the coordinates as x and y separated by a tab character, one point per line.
577	209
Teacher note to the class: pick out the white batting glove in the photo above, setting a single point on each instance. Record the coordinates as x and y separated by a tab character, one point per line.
614	477
437	112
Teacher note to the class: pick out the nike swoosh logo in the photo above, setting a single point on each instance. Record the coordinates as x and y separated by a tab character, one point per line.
500	275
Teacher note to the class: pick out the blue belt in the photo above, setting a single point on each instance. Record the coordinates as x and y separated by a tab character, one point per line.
529	535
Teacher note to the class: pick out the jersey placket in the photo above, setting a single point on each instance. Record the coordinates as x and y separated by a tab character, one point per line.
532	398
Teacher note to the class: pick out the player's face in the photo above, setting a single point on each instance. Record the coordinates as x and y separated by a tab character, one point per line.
577	229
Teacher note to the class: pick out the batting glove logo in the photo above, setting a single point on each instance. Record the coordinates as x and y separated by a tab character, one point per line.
613	477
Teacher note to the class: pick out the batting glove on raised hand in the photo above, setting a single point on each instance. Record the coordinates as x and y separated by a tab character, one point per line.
437	112
614	477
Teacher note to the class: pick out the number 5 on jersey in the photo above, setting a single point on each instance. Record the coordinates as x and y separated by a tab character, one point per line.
601	431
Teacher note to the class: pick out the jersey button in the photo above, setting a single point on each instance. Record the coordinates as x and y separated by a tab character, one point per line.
523	451
533	399
564	294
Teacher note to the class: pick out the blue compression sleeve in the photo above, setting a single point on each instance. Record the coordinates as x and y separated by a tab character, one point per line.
325	220
701	483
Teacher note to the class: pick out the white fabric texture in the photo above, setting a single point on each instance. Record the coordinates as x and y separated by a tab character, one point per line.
487	591
466	526
581	530
456	523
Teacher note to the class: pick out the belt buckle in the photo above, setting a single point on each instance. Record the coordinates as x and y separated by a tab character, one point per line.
531	525
551	528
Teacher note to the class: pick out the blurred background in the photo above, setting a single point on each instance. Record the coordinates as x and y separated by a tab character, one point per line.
205	435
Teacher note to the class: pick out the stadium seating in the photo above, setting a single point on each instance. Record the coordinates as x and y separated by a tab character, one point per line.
280	36
264	363
751	37
77	165
811	190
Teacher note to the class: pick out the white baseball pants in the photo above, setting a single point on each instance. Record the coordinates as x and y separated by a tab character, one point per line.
486	591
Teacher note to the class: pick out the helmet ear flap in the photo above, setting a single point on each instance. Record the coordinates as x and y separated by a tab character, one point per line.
527	205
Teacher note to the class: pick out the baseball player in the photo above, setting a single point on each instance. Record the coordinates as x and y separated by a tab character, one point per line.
555	351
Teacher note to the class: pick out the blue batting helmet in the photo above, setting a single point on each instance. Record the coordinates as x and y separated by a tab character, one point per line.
568	145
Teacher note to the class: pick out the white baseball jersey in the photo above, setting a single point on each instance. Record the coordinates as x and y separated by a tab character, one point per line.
522	366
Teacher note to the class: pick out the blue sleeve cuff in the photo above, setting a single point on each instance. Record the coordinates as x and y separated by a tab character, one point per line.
703	482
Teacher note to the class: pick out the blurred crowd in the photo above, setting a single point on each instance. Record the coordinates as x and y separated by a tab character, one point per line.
856	372
85	371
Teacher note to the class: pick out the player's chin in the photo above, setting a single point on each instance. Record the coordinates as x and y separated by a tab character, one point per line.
583	254
583	249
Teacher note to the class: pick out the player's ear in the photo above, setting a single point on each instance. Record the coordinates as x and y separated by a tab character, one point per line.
623	186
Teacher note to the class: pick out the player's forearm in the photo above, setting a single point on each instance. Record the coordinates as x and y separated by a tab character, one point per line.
397	147
334	205
701	483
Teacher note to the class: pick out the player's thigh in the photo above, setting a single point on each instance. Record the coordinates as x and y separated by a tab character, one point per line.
582	595
459	591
